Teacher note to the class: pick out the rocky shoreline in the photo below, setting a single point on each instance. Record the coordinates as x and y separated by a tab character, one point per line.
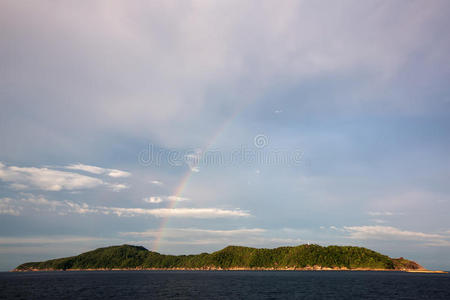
314	268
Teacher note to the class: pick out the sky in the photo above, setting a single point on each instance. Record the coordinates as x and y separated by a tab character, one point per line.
186	126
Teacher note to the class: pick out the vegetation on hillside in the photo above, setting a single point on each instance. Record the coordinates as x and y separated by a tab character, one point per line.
131	257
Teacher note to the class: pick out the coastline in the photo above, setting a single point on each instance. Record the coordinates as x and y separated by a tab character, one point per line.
315	268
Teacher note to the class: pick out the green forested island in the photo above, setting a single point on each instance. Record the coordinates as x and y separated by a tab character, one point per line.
303	257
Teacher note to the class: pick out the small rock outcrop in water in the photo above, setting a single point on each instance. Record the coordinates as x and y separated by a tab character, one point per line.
303	257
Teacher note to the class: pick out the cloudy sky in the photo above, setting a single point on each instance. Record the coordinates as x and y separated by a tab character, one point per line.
188	126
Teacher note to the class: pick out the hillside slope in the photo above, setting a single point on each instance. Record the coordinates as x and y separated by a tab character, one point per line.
231	257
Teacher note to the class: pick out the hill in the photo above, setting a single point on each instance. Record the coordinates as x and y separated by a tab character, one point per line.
302	257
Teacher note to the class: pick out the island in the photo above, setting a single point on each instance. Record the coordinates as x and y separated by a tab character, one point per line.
302	257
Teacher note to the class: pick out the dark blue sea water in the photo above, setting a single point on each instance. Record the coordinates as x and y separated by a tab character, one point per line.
224	285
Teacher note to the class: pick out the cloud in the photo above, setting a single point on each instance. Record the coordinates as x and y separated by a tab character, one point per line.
14	207
388	233
46	179
118	173
40	201
380	213
86	168
159	199
6	207
193	159
117	187
156	182
29	202
153	199
195	169
98	170
82	208
201	213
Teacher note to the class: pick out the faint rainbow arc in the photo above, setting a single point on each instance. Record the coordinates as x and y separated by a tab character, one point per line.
180	187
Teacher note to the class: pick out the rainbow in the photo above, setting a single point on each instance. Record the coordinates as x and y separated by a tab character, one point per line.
172	204
184	180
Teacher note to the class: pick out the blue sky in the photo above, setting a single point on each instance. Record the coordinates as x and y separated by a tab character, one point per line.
270	123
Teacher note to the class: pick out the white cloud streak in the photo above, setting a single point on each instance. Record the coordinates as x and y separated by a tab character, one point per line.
159	199
380	213
98	170
46	179
14	207
153	199
21	178
117	187
388	233
200	213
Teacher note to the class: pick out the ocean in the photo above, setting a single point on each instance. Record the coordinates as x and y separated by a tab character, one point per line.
223	285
